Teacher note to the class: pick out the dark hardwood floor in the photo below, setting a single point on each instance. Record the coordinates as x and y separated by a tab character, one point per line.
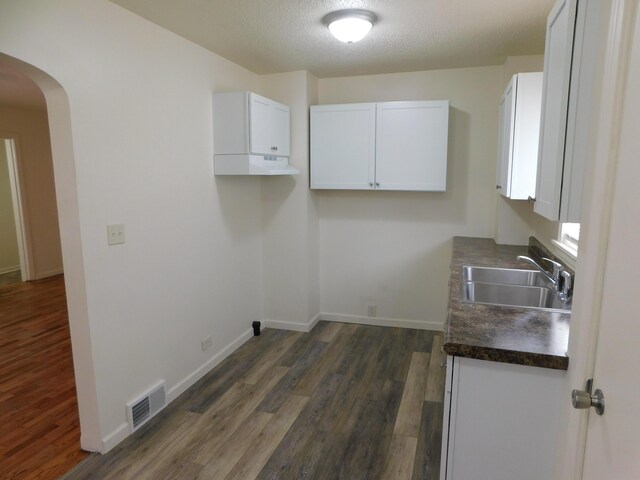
39	427
343	401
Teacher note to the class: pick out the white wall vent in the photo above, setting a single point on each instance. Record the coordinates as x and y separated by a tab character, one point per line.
142	409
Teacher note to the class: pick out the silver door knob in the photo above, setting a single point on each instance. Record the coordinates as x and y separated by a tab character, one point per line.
273	149
498	187
581	399
377	184
371	184
530	199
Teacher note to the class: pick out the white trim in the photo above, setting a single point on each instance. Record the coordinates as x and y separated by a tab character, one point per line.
295	326
123	430
383	322
11	269
115	437
20	210
183	385
48	273
566	249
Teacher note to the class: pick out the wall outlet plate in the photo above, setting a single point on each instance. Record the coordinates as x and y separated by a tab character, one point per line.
115	234
372	310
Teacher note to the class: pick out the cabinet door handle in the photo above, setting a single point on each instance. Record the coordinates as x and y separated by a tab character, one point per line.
531	199
371	184
274	149
498	187
377	184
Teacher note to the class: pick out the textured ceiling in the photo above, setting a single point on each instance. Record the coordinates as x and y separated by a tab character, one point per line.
18	90
270	36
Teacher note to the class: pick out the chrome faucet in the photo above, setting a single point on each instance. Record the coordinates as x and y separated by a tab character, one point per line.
556	273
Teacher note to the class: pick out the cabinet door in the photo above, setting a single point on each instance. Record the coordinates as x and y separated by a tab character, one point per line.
505	139
411	145
269	126
588	36
555	95
343	146
526	128
503	421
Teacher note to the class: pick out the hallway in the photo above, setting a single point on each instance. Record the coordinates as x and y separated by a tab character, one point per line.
39	425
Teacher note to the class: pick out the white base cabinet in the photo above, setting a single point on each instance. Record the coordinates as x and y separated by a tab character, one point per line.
500	421
380	146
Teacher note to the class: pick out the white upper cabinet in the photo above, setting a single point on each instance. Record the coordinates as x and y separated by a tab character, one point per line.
411	145
573	35
251	135
518	139
380	146
269	130
343	142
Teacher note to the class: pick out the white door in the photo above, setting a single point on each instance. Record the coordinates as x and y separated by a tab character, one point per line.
613	439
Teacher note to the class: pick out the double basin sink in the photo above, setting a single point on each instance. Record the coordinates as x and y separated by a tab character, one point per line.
510	287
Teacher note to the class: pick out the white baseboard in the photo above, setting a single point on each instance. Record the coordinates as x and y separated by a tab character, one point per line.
123	430
115	437
14	268
48	273
296	327
183	385
382	321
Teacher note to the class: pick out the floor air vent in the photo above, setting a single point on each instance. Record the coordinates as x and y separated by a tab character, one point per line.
144	408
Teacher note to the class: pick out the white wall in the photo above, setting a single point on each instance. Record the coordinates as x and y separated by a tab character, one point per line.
30	129
9	255
139	101
289	217
393	249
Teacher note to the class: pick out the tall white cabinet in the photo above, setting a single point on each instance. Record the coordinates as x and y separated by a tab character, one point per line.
574	32
518	139
380	146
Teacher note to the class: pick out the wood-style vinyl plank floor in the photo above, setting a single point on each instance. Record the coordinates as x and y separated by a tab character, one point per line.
341	402
39	425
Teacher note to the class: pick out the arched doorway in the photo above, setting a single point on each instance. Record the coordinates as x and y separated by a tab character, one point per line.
65	185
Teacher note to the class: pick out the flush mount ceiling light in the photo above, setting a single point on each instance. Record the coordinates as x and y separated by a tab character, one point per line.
350	25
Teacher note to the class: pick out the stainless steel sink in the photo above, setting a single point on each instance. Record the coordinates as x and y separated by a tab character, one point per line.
510	287
508	276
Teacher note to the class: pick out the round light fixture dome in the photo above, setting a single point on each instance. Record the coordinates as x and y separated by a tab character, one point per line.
350	25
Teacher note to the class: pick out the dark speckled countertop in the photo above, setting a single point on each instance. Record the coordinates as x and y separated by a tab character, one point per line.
501	334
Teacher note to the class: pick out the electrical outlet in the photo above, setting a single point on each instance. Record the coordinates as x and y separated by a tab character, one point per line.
115	234
372	310
205	343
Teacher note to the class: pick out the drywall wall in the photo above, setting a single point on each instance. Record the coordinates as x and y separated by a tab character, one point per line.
9	255
392	249
289	217
30	131
140	120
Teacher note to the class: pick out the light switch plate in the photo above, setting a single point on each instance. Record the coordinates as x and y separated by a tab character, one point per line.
115	234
